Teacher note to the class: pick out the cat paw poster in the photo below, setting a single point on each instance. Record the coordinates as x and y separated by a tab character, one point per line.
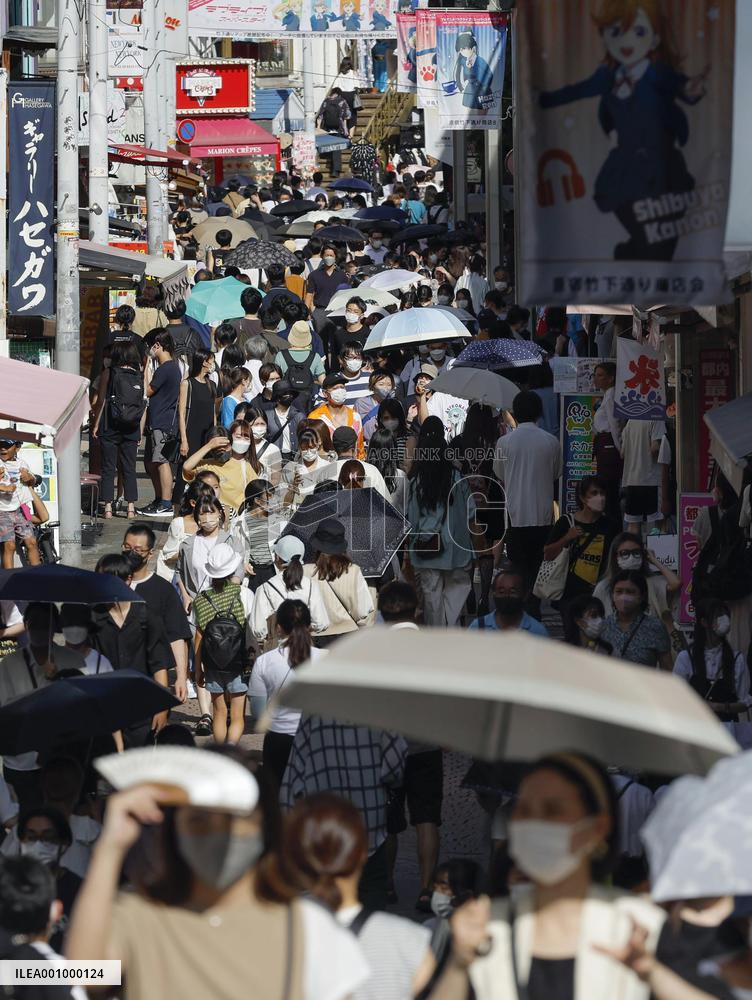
624	157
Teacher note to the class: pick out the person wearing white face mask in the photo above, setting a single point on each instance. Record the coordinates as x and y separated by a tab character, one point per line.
544	943
231	454
634	634
718	673
584	619
267	454
628	552
355	331
334	412
375	248
76	624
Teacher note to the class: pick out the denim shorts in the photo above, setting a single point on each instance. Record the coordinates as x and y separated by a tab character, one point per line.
217	683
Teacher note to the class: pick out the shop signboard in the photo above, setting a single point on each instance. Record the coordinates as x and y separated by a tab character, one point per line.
214	87
690	505
577	414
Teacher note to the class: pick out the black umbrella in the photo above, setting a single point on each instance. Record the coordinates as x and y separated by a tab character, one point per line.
73	709
341	234
383	225
301	229
418	233
352	184
255	215
259	253
57	584
292	209
373	527
382	212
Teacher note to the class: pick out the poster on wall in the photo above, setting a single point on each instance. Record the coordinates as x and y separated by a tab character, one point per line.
471	56
640	390
304	153
32	108
690	505
125	38
293	18
715	387
407	59
426	60
628	112
577	413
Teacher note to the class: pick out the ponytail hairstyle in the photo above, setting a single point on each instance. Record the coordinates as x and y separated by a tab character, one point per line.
324	839
292	574
294	619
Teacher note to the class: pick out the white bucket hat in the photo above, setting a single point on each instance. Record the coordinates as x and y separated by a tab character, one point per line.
223	561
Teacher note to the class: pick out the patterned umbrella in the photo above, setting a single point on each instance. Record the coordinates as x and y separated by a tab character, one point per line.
340	234
373	527
292	209
502	353
257	253
351	184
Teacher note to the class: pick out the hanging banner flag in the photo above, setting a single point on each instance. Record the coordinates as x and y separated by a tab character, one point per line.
624	160
32	108
407	60
578	458
425	52
293	18
471	53
640	390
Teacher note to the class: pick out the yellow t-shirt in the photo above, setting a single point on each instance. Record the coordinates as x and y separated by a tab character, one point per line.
234	475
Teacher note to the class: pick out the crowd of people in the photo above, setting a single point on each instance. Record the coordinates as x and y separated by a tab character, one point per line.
248	422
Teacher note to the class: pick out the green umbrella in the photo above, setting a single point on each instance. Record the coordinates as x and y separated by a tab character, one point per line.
214	301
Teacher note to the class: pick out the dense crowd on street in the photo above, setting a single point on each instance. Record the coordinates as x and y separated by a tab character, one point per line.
310	483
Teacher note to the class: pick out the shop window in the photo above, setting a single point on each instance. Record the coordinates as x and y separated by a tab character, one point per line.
273	59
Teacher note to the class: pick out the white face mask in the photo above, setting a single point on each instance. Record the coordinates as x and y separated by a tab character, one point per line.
437	354
376	244
592	627
390	424
543	851
240	445
258	432
721	627
443	300
633	561
75	634
423	351
462	304
597	504
330	261
46	853
441	905
209	524
501	286
352	318
309	454
353	365
338	396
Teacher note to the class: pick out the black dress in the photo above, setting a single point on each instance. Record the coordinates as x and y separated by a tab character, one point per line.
551	979
200	416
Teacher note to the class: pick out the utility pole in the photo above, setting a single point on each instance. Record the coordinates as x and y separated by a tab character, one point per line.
308	100
99	227
3	205
494	207
153	20
459	176
67	343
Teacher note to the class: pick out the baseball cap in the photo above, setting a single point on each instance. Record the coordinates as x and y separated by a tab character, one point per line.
336	378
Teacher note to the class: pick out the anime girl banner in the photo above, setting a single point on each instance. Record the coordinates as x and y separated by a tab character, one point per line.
407	60
295	18
624	159
425	54
471	48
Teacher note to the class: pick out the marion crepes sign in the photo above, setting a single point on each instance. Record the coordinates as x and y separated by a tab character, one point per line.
214	87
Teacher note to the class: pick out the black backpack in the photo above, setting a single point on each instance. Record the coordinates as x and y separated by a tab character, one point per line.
223	645
331	119
127	402
186	341
299	373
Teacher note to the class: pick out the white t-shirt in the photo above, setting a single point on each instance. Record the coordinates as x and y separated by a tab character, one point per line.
256	387
11	475
96	663
270	595
271	459
640	468
394	948
451	411
527	461
271	672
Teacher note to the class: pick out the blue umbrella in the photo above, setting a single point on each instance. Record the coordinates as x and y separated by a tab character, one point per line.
59	584
73	709
379	213
502	353
331	143
351	184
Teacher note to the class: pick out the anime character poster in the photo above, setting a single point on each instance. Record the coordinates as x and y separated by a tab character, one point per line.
381	17
324	15
426	62
626	150
288	13
471	50
362	19
407	60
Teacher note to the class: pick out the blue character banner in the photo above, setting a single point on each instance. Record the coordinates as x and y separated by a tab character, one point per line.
407	54
624	160
356	19
471	55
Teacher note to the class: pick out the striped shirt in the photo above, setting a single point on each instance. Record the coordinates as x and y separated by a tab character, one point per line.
394	949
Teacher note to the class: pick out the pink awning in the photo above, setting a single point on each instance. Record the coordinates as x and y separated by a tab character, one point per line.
55	400
231	137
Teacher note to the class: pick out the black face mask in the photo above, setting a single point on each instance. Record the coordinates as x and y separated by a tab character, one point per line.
509	607
285	400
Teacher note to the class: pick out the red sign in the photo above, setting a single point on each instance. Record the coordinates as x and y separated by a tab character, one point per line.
214	87
715	387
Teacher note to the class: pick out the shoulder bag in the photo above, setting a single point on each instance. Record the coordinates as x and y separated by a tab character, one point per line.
552	575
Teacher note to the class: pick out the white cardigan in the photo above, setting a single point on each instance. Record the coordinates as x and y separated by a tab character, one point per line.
270	595
605	920
350	590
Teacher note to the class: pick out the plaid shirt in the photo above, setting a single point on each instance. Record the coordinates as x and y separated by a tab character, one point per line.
352	761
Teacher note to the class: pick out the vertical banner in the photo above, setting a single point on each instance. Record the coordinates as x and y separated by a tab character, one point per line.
627	143
715	387
438	140
471	54
31	168
640	390
577	413
690	505
304	153
381	15
425	44
407	62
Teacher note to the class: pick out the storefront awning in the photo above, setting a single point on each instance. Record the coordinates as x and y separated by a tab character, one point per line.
231	137
144	156
55	401
730	429
171	274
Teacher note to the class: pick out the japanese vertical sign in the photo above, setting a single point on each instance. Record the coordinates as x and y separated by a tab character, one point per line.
640	390
577	433
471	54
304	153
425	44
407	59
627	142
716	387
690	505
31	141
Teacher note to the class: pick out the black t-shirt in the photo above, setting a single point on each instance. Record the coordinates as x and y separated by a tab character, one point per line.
163	602
340	337
324	285
166	386
587	555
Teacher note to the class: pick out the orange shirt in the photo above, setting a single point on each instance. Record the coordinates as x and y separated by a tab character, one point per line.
353	420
